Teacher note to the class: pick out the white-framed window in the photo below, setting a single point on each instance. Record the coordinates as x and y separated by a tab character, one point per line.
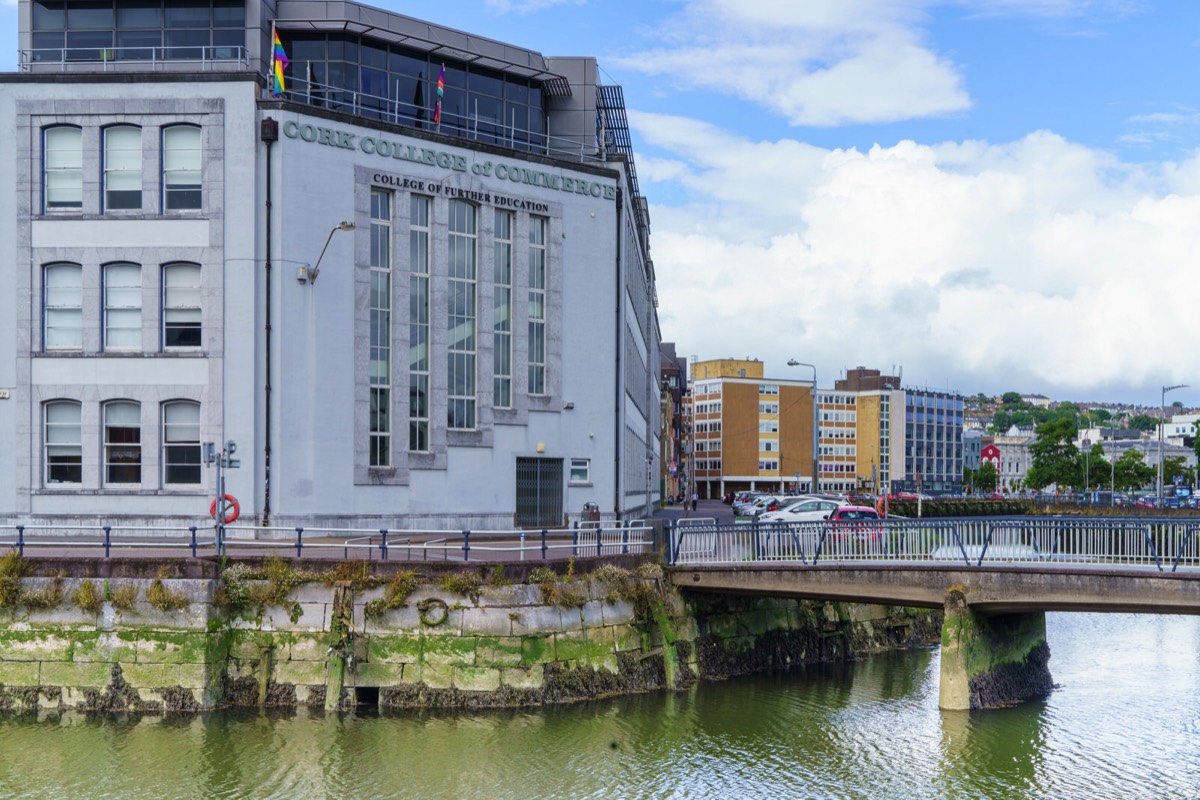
122	168
380	431
181	307
62	307
122	442
63	442
62	168
767	445
581	470
502	310
181	188
181	442
122	307
419	231
462	316
537	304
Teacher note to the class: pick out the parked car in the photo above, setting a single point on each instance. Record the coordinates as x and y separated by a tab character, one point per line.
857	523
803	510
747	500
772	504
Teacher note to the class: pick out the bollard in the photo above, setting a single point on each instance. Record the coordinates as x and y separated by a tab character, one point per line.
21	540
543	544
193	530
107	540
575	540
299	541
221	539
383	544
625	541
599	538
466	545
522	545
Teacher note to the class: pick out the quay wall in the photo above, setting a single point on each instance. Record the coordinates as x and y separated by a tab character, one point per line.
196	635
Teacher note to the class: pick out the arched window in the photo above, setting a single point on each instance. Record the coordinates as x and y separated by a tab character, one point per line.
181	306
122	168
122	307
181	168
181	442
63	442
62	168
122	442
62	307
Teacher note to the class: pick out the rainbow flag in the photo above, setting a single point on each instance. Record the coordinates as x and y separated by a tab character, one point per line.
437	110
279	62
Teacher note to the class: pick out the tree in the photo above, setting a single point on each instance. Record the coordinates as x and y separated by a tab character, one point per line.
1142	422
1011	399
1100	416
1174	466
986	477
1131	470
1055	456
1089	465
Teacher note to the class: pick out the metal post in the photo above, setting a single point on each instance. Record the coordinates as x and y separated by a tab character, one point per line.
466	545
522	545
21	540
383	547
815	425
625	541
193	530
1162	423
299	542
599	538
543	544
575	540
107	540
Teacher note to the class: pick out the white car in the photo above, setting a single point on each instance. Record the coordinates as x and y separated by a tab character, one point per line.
808	510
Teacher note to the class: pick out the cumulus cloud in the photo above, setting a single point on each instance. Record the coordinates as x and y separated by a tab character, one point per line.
820	62
1038	263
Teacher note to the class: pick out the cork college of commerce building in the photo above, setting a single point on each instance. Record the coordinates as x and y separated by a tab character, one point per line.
410	280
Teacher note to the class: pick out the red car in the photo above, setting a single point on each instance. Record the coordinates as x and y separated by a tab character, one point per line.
855	522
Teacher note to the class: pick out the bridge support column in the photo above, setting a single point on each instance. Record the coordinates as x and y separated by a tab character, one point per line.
991	661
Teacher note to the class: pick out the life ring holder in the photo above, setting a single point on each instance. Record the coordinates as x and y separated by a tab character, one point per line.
881	507
233	509
433	611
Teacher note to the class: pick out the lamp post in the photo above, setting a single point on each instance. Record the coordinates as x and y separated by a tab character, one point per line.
344	225
794	363
1162	423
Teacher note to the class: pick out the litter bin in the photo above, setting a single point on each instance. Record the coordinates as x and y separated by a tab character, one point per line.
591	512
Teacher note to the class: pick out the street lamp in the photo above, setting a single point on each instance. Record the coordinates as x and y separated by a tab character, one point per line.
1162	423
311	274
794	363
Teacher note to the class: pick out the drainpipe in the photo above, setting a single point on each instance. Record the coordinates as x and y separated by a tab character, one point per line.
619	383
269	133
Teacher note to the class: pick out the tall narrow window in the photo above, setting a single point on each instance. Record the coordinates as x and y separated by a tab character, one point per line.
62	163
122	168
418	327
502	311
460	345
537	305
181	168
122	307
181	442
381	329
122	442
62	314
181	306
63	442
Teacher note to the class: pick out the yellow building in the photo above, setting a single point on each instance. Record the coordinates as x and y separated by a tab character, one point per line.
748	432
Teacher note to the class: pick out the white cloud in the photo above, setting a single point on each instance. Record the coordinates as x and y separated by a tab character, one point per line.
528	6
1037	264
819	62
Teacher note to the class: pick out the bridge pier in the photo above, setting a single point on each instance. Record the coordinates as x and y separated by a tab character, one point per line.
991	661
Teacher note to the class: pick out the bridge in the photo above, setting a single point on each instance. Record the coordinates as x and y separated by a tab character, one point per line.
994	577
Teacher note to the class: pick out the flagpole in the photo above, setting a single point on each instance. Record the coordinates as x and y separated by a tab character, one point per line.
271	66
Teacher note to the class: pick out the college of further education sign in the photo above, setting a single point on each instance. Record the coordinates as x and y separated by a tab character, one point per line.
401	151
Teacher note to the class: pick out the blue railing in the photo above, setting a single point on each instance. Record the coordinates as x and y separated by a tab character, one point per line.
586	539
1085	542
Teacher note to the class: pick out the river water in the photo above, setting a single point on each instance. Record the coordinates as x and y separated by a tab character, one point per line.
1123	723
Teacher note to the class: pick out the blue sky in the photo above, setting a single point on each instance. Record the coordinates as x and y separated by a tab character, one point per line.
989	194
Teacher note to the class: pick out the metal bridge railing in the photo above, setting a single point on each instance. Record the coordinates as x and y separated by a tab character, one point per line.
1164	544
605	538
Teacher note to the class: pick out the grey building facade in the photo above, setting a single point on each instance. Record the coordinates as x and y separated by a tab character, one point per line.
400	322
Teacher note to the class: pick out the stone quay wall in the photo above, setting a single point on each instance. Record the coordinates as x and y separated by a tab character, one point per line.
108	636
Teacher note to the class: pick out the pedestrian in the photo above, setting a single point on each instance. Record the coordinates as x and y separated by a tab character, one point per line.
695	497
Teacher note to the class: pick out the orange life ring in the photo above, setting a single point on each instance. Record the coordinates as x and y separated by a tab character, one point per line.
880	507
232	509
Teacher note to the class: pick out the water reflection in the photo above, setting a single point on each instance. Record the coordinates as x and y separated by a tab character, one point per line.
1124	723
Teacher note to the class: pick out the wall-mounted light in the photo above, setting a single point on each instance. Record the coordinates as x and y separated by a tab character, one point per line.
567	406
305	273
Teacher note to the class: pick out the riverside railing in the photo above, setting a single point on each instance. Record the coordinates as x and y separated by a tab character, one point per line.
1163	544
593	539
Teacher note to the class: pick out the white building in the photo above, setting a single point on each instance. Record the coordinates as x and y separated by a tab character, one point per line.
399	323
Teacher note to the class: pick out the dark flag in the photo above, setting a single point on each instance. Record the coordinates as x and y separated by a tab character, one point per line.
419	99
